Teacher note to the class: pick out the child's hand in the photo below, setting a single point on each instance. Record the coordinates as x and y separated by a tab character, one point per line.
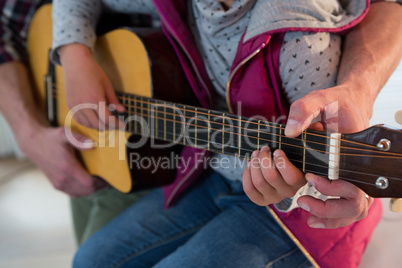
87	85
268	181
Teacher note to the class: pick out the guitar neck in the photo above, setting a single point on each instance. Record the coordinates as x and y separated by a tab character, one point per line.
222	132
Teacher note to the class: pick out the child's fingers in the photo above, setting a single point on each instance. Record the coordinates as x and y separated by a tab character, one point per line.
291	174
270	174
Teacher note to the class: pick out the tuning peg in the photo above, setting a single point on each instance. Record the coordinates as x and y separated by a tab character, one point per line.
395	204
398	117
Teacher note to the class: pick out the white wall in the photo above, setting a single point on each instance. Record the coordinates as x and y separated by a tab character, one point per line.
384	249
389	101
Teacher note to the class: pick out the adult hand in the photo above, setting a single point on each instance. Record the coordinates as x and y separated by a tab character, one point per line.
333	213
51	151
341	109
86	83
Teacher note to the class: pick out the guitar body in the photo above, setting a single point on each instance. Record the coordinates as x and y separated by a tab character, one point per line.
125	59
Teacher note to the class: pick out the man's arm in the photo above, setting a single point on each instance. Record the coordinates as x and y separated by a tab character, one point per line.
47	147
371	52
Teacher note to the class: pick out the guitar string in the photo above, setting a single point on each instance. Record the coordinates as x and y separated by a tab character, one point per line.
388	154
320	173
273	134
146	100
293	159
164	104
274	141
167	104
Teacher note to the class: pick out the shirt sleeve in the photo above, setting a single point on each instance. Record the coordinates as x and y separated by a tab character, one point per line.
14	21
74	21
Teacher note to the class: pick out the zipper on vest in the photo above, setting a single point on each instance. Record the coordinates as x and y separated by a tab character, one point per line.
244	61
171	31
189	173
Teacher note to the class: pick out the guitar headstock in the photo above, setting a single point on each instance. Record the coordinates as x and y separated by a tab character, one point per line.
372	160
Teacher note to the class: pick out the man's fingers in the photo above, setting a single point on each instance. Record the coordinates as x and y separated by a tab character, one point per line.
334	187
107	119
114	105
319	126
316	222
89	118
331	213
343	219
81	176
303	111
111	98
80	142
333	208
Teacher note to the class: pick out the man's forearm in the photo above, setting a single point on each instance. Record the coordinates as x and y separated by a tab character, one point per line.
372	50
16	102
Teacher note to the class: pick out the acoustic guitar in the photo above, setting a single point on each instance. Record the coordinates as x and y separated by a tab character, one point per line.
371	159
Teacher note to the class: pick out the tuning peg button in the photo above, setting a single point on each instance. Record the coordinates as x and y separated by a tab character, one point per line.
398	117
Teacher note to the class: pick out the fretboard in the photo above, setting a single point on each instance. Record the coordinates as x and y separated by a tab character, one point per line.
222	132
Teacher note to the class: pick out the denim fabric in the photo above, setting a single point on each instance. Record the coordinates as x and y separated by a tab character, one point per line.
90	213
213	225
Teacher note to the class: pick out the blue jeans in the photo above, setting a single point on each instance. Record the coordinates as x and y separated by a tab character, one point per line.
213	224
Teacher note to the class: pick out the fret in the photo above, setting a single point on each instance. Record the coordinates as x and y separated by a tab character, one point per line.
304	150
142	115
209	130
164	120
169	126
293	147
214	129
231	136
126	103
239	135
197	124
281	129
195	121
180	123
131	111
223	133
251	135
160	121
258	135
174	122
317	148
185	125
266	136
123	101
148	108
133	108
156	118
